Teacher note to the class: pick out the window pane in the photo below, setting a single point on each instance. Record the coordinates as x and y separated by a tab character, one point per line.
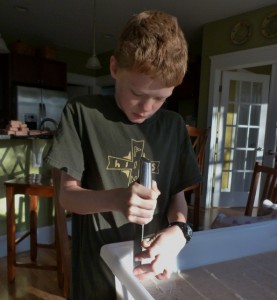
239	159
243	114
241	137
255	115
246	92
253	137
250	159
257	92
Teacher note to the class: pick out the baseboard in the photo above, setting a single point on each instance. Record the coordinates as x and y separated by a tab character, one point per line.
45	235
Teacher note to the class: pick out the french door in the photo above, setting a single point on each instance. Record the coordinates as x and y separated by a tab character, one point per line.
243	120
241	133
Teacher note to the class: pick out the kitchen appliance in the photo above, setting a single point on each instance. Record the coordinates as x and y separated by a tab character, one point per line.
38	107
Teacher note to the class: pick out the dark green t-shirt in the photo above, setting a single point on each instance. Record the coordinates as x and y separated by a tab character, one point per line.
97	144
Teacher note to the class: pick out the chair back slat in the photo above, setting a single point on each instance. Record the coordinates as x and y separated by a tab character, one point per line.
267	177
63	237
199	137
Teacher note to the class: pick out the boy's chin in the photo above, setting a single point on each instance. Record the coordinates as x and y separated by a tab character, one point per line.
137	120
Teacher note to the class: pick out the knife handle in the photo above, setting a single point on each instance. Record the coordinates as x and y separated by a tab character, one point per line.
145	172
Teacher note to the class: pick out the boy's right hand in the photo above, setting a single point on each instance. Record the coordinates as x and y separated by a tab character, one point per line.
138	203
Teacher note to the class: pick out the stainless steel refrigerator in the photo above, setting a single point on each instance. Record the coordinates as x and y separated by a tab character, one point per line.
38	107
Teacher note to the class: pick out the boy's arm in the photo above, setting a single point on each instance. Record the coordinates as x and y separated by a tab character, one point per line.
178	208
168	240
136	202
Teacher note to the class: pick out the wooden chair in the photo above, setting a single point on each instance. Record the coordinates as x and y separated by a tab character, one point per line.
63	240
33	187
199	137
267	177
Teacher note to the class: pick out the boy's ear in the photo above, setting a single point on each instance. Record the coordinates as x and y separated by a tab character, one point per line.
113	67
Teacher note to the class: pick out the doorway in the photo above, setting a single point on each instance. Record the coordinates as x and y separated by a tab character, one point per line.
243	102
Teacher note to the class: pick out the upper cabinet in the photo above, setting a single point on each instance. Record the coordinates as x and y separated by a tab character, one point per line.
38	72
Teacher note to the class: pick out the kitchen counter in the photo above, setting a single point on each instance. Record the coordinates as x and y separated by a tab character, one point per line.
40	136
5	137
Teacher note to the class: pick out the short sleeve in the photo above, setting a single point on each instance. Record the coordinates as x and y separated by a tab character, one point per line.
66	151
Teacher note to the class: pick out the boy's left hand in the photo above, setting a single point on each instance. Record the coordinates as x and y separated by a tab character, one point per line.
161	251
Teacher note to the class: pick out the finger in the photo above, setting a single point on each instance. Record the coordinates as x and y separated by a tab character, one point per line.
158	266
164	275
144	268
143	272
155	187
152	245
143	255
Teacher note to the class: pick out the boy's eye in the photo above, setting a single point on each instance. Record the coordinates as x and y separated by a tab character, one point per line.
160	99
136	94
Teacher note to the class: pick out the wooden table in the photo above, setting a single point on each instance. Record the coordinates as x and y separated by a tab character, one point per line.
34	186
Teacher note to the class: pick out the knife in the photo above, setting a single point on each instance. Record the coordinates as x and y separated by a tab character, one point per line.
145	178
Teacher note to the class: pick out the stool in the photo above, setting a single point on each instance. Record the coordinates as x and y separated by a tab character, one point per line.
34	186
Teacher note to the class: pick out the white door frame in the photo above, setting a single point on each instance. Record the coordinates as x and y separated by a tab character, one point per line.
234	60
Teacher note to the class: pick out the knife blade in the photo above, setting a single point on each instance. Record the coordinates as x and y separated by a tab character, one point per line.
145	179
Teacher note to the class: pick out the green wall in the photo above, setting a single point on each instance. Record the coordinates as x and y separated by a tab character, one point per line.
16	161
216	40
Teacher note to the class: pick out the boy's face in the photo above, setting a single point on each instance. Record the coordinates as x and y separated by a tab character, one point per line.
136	94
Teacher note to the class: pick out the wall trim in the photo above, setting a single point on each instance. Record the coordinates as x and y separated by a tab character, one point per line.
45	235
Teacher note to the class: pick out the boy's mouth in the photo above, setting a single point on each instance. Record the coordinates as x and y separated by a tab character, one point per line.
140	116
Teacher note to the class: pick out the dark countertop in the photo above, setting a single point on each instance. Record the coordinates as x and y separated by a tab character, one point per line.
30	137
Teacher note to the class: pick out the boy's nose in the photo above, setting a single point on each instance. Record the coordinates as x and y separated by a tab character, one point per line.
147	104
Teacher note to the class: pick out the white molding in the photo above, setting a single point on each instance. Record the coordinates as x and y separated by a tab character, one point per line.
246	58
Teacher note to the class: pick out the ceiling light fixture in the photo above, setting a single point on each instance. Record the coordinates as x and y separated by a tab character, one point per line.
3	46
93	62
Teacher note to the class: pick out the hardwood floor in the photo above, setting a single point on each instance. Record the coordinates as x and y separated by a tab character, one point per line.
31	284
34	284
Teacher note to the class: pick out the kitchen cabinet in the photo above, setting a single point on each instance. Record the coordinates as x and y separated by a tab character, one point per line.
27	70
4	88
38	72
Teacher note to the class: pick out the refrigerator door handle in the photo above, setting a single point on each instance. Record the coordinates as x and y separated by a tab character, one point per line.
42	111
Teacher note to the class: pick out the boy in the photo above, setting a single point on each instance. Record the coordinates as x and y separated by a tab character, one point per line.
98	147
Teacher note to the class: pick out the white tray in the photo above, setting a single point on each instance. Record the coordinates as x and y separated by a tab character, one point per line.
206	247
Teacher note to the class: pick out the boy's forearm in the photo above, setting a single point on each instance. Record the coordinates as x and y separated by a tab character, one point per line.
76	199
82	201
178	209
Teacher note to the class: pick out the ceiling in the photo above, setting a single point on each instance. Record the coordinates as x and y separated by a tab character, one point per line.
68	23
